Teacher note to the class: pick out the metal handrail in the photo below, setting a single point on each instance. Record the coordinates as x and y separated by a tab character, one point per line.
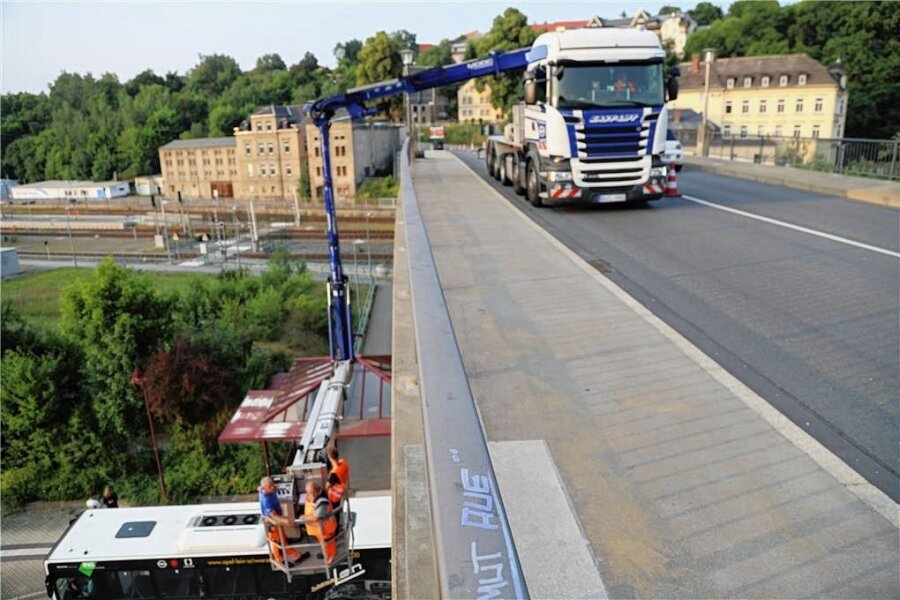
474	551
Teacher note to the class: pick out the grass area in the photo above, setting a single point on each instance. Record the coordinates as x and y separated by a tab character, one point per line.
37	295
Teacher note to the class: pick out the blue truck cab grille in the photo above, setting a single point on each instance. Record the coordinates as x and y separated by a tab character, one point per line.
611	147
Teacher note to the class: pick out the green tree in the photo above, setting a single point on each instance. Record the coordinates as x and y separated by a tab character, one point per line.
436	56
667	9
509	31
270	62
379	59
213	74
705	13
120	321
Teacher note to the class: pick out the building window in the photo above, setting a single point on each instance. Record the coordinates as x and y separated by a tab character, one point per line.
259	126
316	152
287	147
268	125
743	131
745	107
796	131
288	170
815	132
799	106
762	106
318	171
818	105
262	170
780	107
726	131
779	131
273	170
261	149
729	83
783	80
271	148
801	80
840	106
728	108
748	81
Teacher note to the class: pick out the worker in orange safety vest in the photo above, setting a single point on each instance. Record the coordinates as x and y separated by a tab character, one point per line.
338	479
318	515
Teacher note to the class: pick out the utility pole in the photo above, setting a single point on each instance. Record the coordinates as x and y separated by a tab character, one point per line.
237	235
166	230
710	56
254	231
296	209
407	57
369	243
138	380
71	241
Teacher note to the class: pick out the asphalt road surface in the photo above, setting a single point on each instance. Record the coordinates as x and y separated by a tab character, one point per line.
796	294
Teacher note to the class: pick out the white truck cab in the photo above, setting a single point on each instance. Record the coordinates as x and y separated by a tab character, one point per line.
592	127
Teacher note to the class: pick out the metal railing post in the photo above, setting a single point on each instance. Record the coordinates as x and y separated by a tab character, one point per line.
891	174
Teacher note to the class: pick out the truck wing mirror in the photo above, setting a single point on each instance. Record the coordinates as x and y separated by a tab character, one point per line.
672	88
530	91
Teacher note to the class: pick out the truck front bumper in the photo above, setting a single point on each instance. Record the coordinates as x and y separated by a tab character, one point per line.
569	194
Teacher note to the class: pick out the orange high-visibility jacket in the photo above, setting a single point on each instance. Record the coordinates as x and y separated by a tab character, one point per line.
336	491
323	529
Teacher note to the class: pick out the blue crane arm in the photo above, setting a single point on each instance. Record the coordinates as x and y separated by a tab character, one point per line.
354	101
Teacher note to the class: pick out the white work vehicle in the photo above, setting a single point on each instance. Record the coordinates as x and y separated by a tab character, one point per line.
592	128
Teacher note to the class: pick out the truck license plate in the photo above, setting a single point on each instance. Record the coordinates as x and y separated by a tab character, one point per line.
610	198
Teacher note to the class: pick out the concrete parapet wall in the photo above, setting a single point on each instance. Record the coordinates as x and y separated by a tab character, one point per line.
873	191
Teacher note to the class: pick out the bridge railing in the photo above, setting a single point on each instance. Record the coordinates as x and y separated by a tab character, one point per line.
844	156
475	556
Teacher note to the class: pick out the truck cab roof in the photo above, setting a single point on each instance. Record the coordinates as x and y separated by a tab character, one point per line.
600	44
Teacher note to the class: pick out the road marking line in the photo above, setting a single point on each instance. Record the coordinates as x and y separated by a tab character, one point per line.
852	481
822	234
39	551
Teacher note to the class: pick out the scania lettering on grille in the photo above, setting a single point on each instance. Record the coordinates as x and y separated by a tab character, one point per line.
598	119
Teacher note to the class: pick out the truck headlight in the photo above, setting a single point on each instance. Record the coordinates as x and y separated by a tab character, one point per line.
559	175
658	172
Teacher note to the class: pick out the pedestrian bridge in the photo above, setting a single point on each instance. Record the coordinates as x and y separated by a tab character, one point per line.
553	438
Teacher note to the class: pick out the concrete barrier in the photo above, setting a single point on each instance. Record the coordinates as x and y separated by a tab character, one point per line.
873	191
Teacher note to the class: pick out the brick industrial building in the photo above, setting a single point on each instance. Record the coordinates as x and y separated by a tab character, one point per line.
267	154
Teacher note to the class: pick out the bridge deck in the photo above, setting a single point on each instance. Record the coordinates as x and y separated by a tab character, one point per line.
681	481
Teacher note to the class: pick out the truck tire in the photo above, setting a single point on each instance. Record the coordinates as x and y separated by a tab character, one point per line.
533	185
517	178
489	161
503	172
495	172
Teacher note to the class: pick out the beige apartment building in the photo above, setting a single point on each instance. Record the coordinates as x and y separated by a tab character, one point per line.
201	168
475	106
786	95
271	153
268	152
357	151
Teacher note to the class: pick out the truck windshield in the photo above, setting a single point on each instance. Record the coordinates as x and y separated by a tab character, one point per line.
608	85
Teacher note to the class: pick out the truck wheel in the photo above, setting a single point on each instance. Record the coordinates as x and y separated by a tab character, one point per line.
533	185
504	175
489	162
495	172
517	179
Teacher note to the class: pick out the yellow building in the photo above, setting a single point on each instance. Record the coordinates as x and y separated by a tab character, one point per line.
201	168
787	95
358	150
271	153
475	106
268	153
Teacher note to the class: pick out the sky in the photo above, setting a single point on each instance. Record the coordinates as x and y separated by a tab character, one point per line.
38	40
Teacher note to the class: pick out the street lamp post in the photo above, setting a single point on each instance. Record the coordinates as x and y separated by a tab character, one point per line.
406	56
71	241
369	243
709	56
138	381
237	235
356	243
166	230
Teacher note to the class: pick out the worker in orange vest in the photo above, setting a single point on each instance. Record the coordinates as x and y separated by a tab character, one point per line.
270	507
318	515
338	479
